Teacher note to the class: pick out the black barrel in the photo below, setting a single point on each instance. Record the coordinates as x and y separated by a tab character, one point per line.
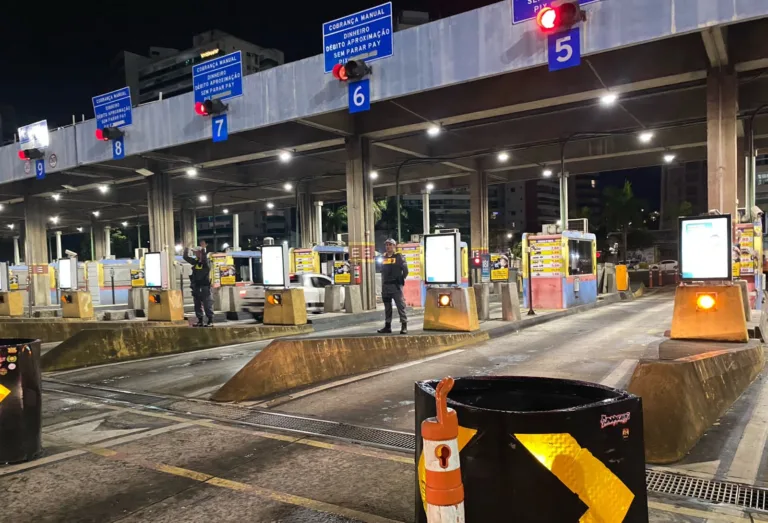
20	400
542	450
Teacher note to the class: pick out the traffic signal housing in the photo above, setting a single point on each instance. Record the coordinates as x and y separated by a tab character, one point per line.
553	19
353	70
109	133
209	107
31	154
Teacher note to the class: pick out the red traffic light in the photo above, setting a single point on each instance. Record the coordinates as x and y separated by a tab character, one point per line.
560	17
108	133
352	70
209	107
477	261
340	73
30	154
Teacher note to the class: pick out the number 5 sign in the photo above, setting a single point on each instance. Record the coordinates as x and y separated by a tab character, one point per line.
564	49
360	96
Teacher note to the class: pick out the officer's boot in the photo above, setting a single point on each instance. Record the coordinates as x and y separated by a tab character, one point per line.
386	330
403	328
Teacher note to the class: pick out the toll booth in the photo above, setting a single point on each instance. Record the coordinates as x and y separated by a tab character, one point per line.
563	269
415	289
320	259
747	259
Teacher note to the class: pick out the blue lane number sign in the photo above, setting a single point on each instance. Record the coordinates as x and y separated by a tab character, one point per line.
40	169
220	131
118	148
220	78
564	49
366	35
359	96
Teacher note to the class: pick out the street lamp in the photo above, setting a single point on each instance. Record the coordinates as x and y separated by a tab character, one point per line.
645	137
285	156
609	99
191	171
546	173
104	189
433	130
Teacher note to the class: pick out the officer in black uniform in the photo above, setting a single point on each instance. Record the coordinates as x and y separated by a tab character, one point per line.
201	287
394	271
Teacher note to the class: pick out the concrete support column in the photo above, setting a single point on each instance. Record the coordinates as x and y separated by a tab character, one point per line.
306	217
360	217
36	250
188	227
722	158
319	223
97	241
235	232
59	254
564	200
425	211
478	209
16	254
107	241
161	236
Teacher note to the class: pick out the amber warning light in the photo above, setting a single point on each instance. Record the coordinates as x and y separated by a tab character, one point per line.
706	302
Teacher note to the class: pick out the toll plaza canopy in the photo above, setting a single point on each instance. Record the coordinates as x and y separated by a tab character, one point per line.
477	76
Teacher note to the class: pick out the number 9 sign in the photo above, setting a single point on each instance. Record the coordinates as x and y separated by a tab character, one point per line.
564	49
359	96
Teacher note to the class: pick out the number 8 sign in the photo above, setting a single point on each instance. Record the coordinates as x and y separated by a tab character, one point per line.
564	49
360	96
118	148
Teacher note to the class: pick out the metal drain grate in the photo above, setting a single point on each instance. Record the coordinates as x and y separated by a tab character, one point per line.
390	439
744	496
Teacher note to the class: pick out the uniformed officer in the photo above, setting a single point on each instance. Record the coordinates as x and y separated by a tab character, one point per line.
201	286
394	271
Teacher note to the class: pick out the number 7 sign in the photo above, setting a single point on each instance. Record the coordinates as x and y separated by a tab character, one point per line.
564	49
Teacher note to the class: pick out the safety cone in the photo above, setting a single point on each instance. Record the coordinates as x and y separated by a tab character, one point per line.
444	489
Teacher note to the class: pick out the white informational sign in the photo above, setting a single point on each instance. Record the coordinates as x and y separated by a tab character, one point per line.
441	259
273	265
34	136
153	270
67	274
705	247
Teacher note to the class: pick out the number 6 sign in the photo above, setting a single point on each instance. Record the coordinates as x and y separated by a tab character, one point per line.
564	49
360	96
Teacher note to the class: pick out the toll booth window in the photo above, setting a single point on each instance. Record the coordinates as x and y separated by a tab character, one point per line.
320	282
580	252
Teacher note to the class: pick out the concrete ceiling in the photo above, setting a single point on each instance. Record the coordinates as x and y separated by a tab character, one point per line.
662	86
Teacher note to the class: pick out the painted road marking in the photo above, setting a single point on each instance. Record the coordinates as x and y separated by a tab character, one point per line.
89	432
273	495
84	419
617	375
746	461
4	471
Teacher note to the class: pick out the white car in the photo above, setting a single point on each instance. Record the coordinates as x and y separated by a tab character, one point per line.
314	293
665	266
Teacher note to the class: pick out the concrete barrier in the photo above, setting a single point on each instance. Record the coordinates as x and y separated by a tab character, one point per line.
290	363
683	397
50	330
99	346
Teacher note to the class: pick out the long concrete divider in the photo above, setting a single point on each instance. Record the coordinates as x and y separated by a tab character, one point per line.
685	391
50	330
99	346
287	364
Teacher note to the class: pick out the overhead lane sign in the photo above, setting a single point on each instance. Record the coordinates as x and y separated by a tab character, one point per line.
365	35
219	79
113	109
523	10
34	136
